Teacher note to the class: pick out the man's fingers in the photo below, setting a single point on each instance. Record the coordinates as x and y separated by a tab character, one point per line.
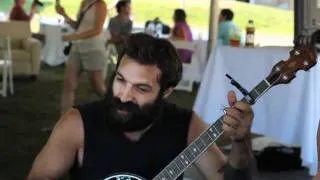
235	113
232	99
230	123
242	106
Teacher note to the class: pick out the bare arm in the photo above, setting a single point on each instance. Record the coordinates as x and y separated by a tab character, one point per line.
213	159
58	155
100	16
60	10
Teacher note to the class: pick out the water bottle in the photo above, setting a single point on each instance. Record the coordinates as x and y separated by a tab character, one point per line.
151	28
158	30
250	30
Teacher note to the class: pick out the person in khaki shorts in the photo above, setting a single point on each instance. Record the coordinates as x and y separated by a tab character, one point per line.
87	52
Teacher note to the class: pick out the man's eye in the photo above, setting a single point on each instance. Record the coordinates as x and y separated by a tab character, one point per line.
120	79
143	89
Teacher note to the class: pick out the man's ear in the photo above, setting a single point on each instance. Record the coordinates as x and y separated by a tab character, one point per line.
167	92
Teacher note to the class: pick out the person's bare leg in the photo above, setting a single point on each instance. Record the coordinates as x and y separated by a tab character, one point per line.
69	86
98	82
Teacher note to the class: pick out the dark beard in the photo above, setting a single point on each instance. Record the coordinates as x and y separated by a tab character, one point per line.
138	118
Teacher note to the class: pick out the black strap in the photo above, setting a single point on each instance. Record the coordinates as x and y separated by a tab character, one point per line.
82	13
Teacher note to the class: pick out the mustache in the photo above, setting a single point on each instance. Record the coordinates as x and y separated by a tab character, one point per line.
127	106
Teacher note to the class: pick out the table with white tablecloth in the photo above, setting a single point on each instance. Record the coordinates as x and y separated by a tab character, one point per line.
53	29
288	113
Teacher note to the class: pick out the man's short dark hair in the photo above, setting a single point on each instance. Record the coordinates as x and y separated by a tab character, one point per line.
227	14
179	15
147	50
121	3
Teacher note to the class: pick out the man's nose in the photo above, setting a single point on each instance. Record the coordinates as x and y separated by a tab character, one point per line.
126	94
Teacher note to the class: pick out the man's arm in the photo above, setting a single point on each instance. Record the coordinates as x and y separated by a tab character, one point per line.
58	155
213	159
241	161
236	124
214	164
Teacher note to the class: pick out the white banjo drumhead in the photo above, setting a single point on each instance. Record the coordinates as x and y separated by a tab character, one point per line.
123	177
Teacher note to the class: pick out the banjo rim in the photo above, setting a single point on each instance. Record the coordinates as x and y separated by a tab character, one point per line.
129	175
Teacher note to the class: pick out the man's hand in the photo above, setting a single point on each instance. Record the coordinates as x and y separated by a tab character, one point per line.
238	118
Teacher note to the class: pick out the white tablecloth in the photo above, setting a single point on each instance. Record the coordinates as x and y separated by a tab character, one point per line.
201	53
288	114
52	28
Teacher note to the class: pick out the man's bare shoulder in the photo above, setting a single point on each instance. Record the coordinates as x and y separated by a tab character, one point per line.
70	125
64	142
72	116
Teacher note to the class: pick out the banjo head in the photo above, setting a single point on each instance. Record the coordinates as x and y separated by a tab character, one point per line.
124	176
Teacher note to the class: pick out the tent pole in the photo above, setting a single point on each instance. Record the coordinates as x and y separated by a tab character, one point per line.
213	23
183	4
298	17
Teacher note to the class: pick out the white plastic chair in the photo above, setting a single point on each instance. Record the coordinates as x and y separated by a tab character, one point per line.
189	70
6	66
9	30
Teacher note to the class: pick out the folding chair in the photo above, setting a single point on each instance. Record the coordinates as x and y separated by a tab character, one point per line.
6	65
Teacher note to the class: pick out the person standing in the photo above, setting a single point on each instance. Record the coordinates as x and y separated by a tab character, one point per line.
226	26
120	26
88	50
182	31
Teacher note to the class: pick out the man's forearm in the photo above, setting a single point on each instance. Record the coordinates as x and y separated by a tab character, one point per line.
241	153
241	161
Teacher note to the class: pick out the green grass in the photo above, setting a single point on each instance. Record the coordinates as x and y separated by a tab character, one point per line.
268	20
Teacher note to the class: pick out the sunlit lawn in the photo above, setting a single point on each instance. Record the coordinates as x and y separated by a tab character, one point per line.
268	20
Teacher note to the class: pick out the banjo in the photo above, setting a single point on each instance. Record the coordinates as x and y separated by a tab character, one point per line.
302	57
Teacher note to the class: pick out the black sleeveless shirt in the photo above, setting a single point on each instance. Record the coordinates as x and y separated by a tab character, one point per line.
107	153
